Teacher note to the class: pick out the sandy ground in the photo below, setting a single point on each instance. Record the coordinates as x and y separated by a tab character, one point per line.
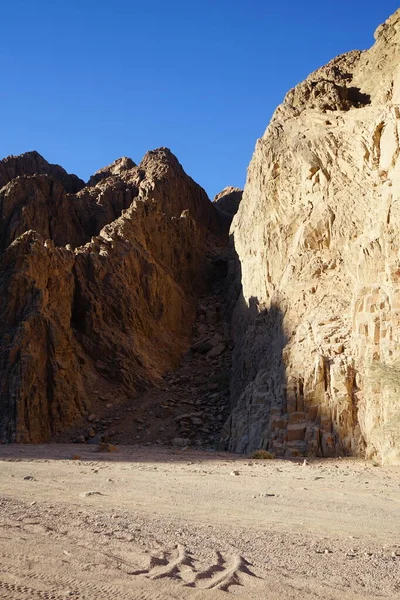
155	524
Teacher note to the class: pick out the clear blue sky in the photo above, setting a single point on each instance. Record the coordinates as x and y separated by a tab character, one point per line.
84	82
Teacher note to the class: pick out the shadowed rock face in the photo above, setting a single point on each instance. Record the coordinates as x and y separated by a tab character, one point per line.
98	287
228	200
317	237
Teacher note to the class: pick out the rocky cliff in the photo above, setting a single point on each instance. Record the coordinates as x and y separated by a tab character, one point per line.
317	238
31	163
228	200
98	284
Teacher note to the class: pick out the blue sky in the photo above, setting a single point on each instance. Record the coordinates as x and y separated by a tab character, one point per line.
86	82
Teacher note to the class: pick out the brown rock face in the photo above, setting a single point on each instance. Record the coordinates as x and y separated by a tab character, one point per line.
31	163
98	287
317	237
119	167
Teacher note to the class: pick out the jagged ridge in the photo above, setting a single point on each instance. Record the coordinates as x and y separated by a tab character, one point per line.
110	316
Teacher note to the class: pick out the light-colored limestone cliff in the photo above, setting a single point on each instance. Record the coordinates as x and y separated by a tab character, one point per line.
317	236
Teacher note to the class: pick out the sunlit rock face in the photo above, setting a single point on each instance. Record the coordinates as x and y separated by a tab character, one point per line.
98	284
317	238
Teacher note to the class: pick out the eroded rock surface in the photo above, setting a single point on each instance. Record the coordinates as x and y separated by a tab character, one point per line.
317	237
99	287
191	403
228	200
31	163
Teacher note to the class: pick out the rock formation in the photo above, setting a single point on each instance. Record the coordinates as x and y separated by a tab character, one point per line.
228	200
317	237
98	284
31	163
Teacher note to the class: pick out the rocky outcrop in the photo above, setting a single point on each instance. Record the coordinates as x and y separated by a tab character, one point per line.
228	200
163	172
98	288
317	238
31	163
120	167
40	203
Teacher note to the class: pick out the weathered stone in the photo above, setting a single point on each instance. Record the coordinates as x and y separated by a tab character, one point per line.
216	351
296	417
119	308
202	346
31	163
328	445
120	167
94	440
295	432
181	442
104	447
316	236
228	200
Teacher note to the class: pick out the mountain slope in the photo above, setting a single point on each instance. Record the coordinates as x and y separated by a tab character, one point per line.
98	288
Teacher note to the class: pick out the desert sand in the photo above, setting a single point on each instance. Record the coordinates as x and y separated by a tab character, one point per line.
156	524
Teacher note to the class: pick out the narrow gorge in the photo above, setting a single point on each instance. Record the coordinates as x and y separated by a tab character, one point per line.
135	310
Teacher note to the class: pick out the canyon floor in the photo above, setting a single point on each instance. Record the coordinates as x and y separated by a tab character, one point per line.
154	523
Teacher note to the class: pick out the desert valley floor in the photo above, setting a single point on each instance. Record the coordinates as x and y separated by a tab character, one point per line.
148	523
